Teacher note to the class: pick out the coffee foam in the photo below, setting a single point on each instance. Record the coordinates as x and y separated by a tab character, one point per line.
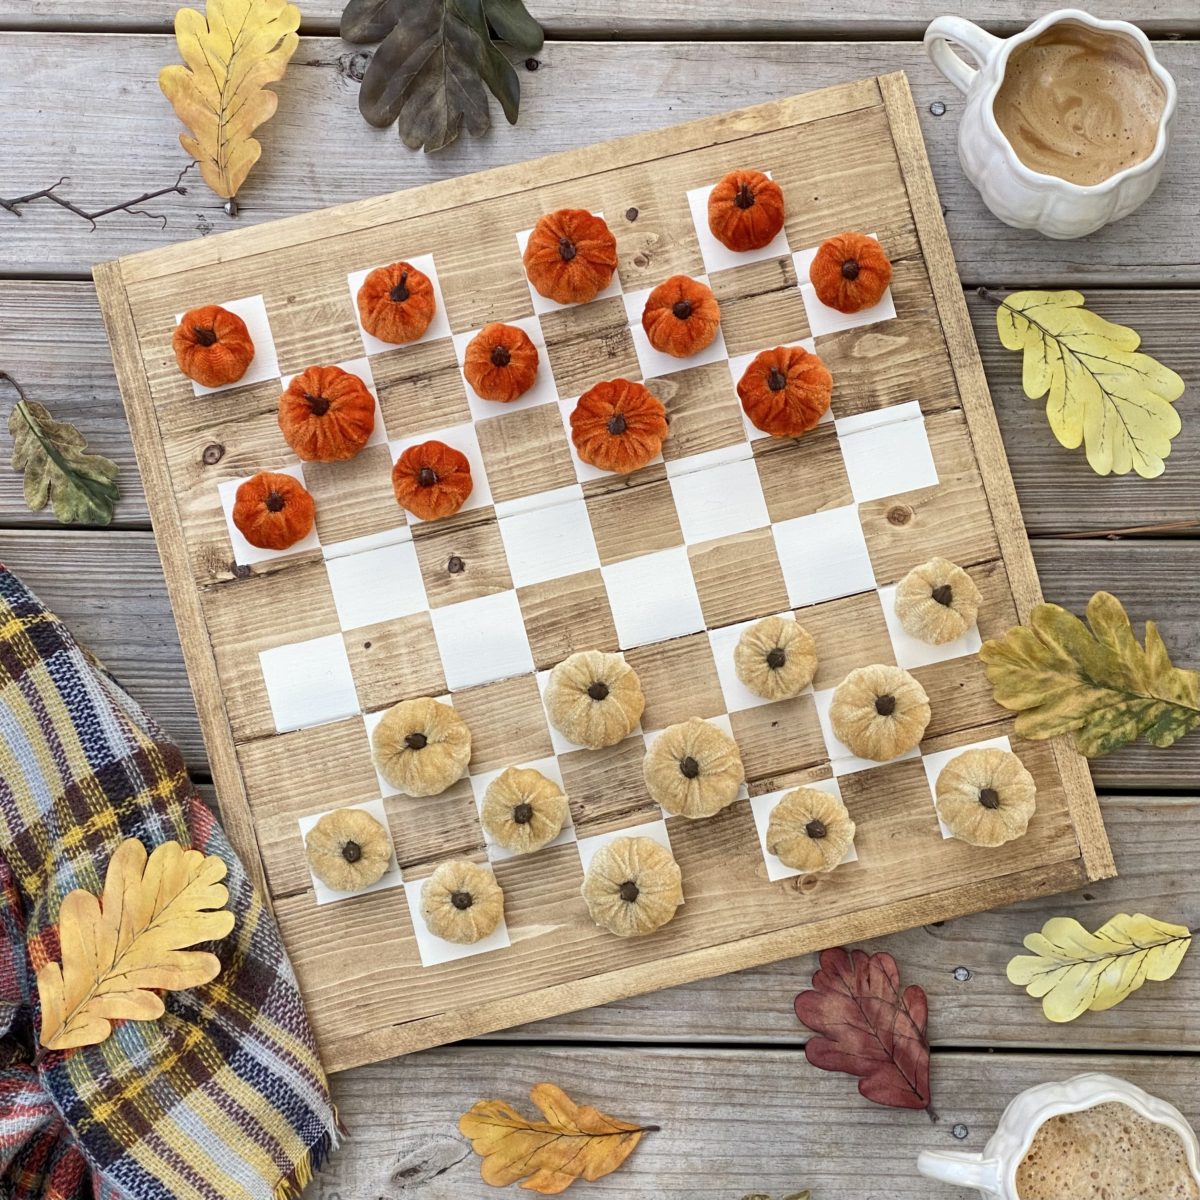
1108	1152
1079	103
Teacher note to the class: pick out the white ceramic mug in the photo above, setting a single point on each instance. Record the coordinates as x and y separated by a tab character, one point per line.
994	1172
1018	195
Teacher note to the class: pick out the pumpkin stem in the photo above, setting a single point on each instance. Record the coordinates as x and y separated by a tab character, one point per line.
462	900
318	405
629	891
427	477
776	380
416	741
204	336
989	798
500	356
617	424
943	594
566	249
776	658
682	309
850	269
816	829
352	852
400	292
275	502
598	690
523	814
744	197
885	705
689	768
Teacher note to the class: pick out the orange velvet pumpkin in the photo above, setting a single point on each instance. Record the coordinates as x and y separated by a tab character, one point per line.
571	256
432	480
681	317
501	363
273	511
745	210
326	414
618	426
850	272
396	303
785	391
212	346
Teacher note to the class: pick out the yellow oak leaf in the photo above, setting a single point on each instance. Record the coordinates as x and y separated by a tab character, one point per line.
232	52
1095	680
573	1141
1099	391
1072	971
120	949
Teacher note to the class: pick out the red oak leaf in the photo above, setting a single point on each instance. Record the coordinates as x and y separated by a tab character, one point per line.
869	1028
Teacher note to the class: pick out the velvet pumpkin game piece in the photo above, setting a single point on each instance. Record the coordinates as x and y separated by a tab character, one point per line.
618	425
693	769
785	391
681	317
571	256
879	711
850	272
522	810
421	746
432	480
745	211
273	511
501	363
326	414
810	830
633	886
212	346
462	902
594	699
775	658
986	797
937	602
348	850
397	303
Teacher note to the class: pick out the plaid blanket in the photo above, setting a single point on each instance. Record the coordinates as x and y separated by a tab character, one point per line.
221	1098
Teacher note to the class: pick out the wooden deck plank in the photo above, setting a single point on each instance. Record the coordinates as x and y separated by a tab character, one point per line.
52	339
730	1122
318	150
630	19
108	586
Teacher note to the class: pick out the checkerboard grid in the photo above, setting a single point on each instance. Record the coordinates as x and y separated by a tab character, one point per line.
693	482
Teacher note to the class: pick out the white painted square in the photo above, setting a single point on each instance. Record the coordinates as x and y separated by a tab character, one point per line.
309	683
654	363
656	831
362	368
391	878
763	806
841	758
717	256
935	762
561	743
912	652
245	554
821	318
724	642
549	538
439	327
265	363
548	767
462	438
738	366
434	950
653	597
482	640
823	556
544	390
377	585
543	304
720	501
585	471
888	458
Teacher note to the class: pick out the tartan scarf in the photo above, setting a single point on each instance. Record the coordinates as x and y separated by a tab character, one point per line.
223	1097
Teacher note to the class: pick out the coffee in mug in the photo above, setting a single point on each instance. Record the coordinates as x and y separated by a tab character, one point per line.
1080	103
1107	1152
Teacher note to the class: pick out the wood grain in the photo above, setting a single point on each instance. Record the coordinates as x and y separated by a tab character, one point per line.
318	150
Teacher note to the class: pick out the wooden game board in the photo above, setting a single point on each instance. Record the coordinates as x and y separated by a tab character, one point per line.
293	656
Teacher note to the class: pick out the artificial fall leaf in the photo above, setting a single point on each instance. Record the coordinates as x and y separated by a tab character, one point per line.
1098	391
53	455
869	1027
435	58
121	949
1098	682
573	1141
232	52
1072	971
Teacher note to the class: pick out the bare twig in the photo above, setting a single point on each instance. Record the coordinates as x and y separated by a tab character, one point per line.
50	193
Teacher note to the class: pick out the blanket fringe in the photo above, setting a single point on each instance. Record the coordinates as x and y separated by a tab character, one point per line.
292	1185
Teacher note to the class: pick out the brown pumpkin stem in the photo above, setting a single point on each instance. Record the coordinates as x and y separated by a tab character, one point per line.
203	336
566	249
275	502
850	269
989	798
816	829
598	690
416	741
500	356
427	477
682	309
352	852
744	197
616	424
523	814
629	891
318	405
689	768
776	658
400	292
885	705
462	900
776	380
943	594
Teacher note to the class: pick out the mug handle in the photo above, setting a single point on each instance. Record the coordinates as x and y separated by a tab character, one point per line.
978	43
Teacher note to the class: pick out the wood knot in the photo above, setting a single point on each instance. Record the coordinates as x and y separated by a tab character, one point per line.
455	565
213	453
631	214
899	514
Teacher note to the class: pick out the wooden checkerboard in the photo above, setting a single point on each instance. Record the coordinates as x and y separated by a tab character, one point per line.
294	656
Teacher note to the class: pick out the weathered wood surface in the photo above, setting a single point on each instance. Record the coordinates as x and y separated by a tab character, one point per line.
52	339
731	1122
318	150
666	18
108	586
